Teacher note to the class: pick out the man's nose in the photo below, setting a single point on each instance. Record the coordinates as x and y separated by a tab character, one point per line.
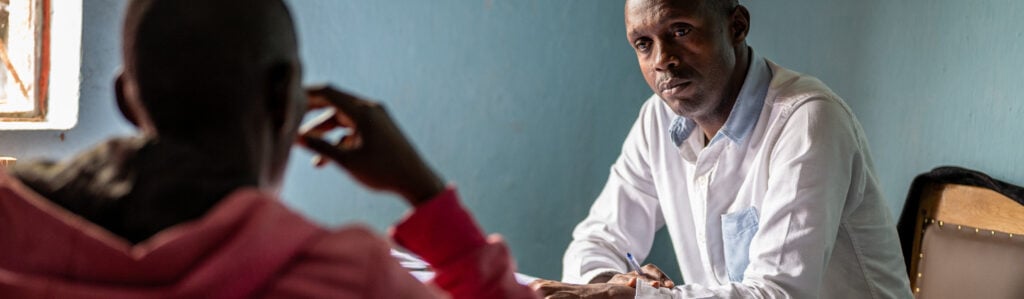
665	59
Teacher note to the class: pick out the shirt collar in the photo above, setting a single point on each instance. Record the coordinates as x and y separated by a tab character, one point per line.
745	111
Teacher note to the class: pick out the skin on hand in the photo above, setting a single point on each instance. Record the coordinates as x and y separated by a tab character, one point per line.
652	275
550	289
375	152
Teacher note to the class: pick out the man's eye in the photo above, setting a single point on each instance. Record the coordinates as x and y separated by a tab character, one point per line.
642	45
681	32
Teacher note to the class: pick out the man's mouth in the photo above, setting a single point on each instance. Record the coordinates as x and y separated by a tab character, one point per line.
673	86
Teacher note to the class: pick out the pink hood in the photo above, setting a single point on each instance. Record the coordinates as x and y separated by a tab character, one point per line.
230	252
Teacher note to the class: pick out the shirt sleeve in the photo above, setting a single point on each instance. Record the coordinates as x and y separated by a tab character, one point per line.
813	163
467	265
625	216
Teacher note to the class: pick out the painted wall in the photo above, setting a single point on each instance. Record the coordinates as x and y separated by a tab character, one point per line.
523	104
932	82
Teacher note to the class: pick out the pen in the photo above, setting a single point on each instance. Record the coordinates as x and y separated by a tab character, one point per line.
632	262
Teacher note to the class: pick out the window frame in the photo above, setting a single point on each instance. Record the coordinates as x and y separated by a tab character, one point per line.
58	76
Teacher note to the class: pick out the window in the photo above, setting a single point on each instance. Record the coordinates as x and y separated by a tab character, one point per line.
40	49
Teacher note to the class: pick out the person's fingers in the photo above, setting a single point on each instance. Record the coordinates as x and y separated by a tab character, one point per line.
544	288
318	126
323	148
651	269
348	103
539	284
655	273
325	122
314	103
632	282
320	161
351	142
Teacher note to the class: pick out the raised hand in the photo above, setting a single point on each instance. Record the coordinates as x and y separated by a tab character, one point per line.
375	152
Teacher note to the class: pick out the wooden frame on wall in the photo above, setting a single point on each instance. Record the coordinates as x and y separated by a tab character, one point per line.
41	61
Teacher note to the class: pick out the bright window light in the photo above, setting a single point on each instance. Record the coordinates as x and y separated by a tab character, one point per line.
40	55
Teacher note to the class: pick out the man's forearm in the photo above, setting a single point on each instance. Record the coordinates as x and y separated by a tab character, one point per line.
603	277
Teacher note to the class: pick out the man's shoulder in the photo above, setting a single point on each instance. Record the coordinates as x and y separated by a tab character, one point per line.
793	94
792	88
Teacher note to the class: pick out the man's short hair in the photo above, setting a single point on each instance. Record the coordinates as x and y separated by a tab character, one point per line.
195	62
722	7
715	7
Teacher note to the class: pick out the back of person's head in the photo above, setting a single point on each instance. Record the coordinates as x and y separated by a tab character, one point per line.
199	65
216	74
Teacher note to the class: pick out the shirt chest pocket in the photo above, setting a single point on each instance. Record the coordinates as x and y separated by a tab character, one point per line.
738	228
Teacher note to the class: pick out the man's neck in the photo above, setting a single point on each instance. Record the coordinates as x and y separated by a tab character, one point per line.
712	123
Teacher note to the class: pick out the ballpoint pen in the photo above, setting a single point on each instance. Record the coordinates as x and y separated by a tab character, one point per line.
632	262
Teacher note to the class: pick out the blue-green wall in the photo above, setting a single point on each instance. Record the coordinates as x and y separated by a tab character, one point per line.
932	82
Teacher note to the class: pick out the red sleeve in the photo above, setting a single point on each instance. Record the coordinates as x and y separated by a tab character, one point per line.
443	233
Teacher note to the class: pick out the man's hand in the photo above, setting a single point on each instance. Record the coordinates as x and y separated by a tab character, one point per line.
652	275
550	289
375	152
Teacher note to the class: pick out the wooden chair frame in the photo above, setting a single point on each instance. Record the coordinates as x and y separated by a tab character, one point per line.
983	209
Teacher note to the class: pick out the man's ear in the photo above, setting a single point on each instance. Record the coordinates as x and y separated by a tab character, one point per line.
122	101
279	95
739	23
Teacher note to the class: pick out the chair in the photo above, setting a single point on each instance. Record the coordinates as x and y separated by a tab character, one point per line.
962	234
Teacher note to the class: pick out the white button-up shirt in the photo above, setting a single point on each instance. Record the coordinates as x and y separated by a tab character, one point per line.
782	203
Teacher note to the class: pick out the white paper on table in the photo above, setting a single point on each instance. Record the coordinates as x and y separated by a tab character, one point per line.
426	275
421	269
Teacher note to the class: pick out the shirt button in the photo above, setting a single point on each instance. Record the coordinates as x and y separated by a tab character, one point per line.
700	238
702	181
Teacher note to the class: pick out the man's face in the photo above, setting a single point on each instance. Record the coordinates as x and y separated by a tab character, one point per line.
686	52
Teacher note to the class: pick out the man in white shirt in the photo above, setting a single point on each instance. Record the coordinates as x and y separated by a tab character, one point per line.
761	175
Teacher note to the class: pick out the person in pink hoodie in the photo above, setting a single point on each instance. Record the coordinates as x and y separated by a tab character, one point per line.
188	207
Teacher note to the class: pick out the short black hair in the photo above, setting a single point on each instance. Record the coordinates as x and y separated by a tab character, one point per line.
724	7
195	62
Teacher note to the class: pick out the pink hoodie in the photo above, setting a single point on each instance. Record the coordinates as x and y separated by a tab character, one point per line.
248	246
